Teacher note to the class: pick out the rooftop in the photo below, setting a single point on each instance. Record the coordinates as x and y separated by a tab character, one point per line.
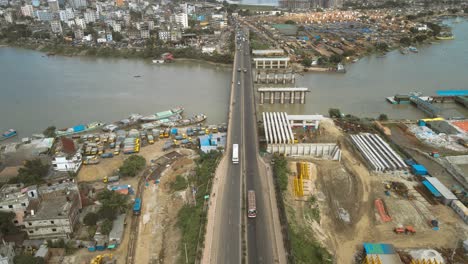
53	208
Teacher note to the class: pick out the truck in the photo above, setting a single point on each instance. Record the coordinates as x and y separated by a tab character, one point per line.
137	207
252	207
235	153
150	139
111	179
107	155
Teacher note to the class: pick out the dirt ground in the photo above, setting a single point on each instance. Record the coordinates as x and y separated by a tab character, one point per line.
107	167
349	185
158	238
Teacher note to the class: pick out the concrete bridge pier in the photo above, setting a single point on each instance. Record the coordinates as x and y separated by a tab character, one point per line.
262	95
272	97
282	97
302	97
291	97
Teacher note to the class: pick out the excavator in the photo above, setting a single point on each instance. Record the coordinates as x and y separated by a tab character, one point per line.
103	259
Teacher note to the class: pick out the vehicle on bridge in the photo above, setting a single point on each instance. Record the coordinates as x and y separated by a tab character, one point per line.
252	207
137	207
235	153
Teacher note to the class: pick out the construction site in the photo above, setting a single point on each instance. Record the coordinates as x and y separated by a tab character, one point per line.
371	195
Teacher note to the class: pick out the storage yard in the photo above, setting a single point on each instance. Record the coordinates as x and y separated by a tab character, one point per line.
374	193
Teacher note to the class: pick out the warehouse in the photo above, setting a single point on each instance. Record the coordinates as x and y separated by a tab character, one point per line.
439	190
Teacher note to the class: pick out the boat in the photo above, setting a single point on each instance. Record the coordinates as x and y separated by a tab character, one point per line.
445	36
340	68
413	49
405	98
137	76
155	61
163	115
8	134
78	129
193	120
404	51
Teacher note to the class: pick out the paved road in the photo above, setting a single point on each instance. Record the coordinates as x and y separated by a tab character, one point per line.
226	246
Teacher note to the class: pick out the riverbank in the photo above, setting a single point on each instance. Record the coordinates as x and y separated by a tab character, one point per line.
68	50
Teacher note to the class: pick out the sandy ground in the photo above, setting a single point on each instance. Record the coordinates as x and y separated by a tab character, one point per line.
158	238
108	167
349	185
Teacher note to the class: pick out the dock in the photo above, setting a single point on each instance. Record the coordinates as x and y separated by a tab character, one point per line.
425	106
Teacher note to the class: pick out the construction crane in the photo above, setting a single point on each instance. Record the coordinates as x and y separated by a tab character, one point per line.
103	259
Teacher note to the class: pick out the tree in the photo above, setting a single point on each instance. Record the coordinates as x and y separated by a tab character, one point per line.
106	227
383	117
6	223
420	38
179	184
435	28
413	30
381	46
405	41
33	172
49	132
290	22
132	165
334	112
28	259
113	200
90	219
306	62
106	212
116	36
280	170
335	58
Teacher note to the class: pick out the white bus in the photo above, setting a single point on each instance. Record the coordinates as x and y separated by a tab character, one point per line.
235	153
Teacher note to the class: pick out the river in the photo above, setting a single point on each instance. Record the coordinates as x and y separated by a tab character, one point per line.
38	91
362	90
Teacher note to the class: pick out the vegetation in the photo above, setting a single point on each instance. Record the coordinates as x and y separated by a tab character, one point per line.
33	172
306	62
27	259
132	165
113	203
305	249
49	132
290	22
6	223
434	28
179	184
280	171
405	41
106	227
334	113
381	46
383	117
90	219
191	218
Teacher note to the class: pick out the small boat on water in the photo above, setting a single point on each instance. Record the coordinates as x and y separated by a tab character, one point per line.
413	49
137	76
340	68
445	36
155	61
8	134
405	98
78	129
193	120
163	115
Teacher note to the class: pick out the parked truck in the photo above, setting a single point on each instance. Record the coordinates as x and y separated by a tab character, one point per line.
111	179
107	155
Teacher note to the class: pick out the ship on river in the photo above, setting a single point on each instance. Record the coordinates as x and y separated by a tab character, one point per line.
163	115
8	134
78	129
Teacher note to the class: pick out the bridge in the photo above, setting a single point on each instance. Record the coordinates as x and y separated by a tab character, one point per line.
228	227
271	63
288	94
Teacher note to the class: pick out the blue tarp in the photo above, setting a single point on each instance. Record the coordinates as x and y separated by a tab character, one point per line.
205	141
452	92
371	248
79	128
432	189
419	169
174	131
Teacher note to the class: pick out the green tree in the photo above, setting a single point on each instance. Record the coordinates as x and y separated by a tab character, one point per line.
6	223
335	58
435	28
31	173
290	22
113	200
132	165
117	36
106	212
381	46
90	219
28	259
334	112
106	227
405	41
413	30
383	117
306	62
420	38
280	170
49	132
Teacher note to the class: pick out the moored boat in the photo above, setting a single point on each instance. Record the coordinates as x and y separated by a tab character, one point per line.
193	120
413	49
340	68
8	134
404	51
158	61
163	115
78	129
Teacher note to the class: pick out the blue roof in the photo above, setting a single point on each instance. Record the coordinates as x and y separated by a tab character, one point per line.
432	189
205	141
371	248
452	92
420	169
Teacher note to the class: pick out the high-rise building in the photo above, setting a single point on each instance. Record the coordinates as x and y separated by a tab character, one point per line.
53	5
44	15
27	11
56	26
90	16
66	14
181	19
77	4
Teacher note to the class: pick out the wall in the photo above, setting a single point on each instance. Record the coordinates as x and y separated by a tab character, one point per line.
324	151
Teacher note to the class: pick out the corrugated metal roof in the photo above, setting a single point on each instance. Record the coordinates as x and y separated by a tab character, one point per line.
431	189
444	191
378	249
